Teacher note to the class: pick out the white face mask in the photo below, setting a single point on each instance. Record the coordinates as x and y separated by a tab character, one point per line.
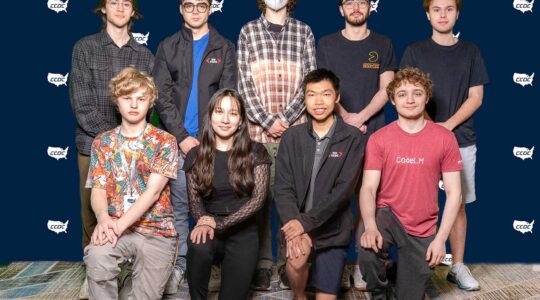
276	4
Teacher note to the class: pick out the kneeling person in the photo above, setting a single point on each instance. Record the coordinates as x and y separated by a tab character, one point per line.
398	198
129	170
317	168
227	178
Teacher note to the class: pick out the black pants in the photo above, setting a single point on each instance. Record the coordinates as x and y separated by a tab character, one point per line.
413	270
237	250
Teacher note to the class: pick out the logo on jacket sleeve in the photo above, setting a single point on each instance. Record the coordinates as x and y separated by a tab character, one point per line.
335	154
213	60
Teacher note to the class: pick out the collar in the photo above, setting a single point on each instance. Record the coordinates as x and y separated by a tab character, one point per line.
334	130
330	132
105	39
266	23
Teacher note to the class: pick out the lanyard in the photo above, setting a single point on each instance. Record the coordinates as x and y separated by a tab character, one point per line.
133	167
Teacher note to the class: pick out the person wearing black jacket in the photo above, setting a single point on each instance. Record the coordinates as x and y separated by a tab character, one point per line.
191	65
317	168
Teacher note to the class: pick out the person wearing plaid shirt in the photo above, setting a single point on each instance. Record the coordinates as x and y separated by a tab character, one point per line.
275	52
96	60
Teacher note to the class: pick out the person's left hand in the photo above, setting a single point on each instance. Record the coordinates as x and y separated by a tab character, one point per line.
292	229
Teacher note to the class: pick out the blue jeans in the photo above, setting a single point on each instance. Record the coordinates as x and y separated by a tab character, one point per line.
179	201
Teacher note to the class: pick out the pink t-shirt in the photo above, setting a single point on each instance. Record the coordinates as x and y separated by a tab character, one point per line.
411	165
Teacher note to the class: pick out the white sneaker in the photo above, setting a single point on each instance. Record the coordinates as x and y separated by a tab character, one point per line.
346	278
174	281
215	279
83	292
461	275
358	281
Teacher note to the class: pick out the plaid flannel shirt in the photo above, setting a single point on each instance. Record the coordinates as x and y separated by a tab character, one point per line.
271	71
96	60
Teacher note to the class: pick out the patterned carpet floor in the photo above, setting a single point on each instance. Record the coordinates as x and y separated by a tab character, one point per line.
62	280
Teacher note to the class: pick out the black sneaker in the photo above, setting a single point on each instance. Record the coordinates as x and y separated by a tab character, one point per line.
283	279
261	280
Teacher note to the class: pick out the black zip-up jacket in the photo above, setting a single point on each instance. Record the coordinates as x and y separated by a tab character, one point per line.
173	74
329	223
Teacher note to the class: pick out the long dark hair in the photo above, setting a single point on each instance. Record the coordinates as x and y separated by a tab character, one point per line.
240	164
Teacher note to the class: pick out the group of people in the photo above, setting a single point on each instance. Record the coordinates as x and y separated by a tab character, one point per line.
273	121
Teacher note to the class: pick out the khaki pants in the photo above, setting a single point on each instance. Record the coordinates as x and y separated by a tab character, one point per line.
88	218
153	261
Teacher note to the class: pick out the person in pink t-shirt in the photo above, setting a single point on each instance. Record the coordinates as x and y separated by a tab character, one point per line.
398	198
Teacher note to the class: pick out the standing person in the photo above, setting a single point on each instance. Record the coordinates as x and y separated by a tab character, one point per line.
275	52
227	176
398	198
191	66
365	62
96	60
458	71
130	167
317	169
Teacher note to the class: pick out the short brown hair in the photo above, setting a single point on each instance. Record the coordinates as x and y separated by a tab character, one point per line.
413	76
136	15
290	5
428	2
130	80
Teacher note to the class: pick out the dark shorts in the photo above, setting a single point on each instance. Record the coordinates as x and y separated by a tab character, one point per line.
327	268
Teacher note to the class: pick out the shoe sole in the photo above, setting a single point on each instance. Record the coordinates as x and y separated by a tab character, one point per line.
360	289
260	288
453	279
284	287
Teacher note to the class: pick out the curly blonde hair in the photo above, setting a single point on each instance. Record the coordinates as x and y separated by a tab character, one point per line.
130	80
413	76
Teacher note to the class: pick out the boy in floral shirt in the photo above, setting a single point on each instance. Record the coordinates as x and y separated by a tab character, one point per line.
130	167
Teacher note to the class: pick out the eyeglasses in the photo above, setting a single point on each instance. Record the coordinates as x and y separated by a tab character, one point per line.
348	4
124	4
190	7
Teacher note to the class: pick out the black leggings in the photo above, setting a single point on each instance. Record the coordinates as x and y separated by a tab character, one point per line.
237	250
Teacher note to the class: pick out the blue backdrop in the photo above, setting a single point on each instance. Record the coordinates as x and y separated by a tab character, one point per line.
38	41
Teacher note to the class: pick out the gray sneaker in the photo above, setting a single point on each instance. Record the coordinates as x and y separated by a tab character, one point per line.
177	275
358	280
461	275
